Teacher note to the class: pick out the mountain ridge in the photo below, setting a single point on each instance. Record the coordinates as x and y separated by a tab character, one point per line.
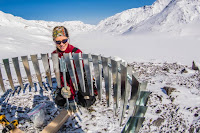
161	16
174	17
133	17
9	20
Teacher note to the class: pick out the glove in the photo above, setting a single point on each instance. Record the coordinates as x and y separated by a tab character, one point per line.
66	93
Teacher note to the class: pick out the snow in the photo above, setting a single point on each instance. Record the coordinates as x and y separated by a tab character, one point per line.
121	22
184	100
172	18
158	41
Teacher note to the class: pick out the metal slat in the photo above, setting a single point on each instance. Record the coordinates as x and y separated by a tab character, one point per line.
140	111
128	88
116	83
27	69
124	92
37	68
143	98
1	81
133	125
63	69
119	83
142	87
70	65
107	79
115	89
97	63
124	130
8	72
87	66
56	69
139	124
90	70
79	69
46	68
134	95
17	70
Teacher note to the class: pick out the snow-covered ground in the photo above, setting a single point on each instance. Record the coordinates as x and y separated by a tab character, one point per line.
176	112
159	41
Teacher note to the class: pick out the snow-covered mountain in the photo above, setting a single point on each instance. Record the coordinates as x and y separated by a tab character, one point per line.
163	15
8	20
174	17
122	21
17	33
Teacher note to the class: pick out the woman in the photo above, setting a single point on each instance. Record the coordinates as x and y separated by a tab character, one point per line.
61	39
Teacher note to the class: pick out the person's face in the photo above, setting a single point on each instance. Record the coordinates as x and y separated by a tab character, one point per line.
61	43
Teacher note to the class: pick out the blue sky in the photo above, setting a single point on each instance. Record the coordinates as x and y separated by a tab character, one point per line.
88	11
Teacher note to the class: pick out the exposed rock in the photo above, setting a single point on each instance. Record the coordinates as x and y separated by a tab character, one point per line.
158	111
196	115
194	67
172	98
184	71
191	130
169	90
166	69
160	98
158	122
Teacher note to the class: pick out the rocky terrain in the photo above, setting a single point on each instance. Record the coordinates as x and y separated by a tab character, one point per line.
173	106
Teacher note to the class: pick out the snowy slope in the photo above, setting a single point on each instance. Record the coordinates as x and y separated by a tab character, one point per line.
176	112
121	22
8	20
174	17
163	15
